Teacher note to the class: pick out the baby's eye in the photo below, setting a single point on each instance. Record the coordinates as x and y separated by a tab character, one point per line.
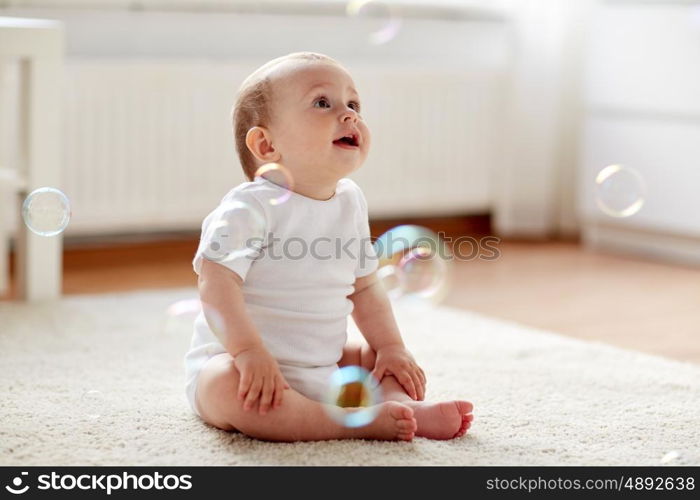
354	105
324	101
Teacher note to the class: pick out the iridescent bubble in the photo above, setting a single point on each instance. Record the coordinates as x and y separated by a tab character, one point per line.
372	9
620	191
353	387
389	279
392	244
237	230
180	317
414	263
46	211
92	404
422	273
186	307
279	175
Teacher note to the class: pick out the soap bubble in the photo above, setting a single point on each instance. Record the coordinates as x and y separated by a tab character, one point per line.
237	230
351	387
279	175
180	317
413	263
185	307
392	244
92	404
372	9
46	211
389	279
620	191
422	273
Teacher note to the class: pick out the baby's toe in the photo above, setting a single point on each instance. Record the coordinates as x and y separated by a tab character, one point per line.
466	424
406	435
401	412
407	425
464	407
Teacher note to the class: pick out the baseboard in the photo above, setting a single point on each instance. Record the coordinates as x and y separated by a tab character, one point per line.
656	245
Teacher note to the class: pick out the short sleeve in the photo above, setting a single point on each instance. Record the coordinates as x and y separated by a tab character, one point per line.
232	234
367	261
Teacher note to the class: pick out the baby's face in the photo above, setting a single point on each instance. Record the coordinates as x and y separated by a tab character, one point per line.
314	104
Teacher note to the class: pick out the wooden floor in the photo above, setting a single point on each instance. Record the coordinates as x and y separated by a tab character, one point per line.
631	303
557	286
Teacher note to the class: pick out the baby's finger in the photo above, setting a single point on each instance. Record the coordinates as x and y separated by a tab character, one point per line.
244	385
279	391
418	383
266	396
407	383
378	373
253	393
422	376
280	380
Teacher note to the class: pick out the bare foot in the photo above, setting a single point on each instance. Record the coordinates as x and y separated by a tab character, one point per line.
394	421
446	420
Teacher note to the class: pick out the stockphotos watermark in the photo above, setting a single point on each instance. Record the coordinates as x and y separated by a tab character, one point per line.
106	483
464	248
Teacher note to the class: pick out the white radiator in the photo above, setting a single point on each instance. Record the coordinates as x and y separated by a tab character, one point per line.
148	143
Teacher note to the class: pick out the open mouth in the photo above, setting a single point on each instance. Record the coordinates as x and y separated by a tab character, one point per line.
347	141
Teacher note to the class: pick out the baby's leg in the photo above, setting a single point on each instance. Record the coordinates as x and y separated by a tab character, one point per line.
297	419
445	420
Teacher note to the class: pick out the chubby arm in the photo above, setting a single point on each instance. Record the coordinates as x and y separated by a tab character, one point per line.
375	319
261	379
220	288
373	314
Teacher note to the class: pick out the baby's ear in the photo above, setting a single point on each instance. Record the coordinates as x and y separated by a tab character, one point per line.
259	143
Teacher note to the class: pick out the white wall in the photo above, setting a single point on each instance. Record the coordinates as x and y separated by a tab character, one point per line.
539	48
174	43
536	189
249	36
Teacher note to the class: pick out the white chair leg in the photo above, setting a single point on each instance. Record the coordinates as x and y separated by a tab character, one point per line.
39	258
6	194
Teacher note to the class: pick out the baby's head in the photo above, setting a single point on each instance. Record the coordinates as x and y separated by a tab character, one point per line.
292	110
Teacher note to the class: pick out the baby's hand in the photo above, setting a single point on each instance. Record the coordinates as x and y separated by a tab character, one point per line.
260	378
397	361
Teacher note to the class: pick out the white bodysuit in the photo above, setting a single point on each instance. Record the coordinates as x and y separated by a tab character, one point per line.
296	287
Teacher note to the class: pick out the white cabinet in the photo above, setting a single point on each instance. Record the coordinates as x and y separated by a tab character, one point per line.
645	57
642	110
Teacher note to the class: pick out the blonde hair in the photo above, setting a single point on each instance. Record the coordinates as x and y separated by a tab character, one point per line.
252	106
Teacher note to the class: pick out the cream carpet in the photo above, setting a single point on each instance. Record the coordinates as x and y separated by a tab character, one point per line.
539	398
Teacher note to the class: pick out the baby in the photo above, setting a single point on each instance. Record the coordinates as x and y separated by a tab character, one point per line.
283	318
